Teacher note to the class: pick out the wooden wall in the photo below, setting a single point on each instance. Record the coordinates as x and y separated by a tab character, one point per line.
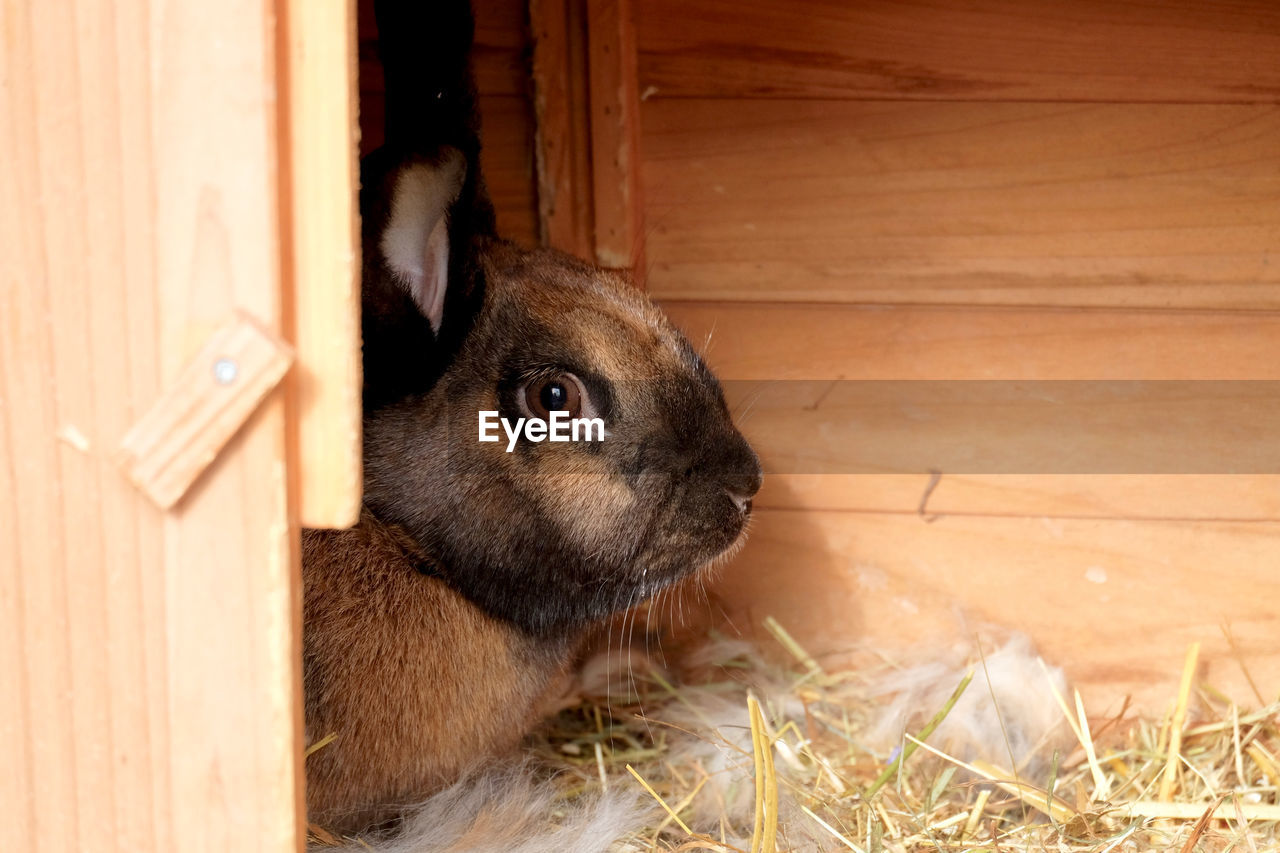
943	190
1019	190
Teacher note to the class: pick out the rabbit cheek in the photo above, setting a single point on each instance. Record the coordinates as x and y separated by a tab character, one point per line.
592	504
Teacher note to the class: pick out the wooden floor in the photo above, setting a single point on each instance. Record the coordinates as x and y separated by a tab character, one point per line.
1001	189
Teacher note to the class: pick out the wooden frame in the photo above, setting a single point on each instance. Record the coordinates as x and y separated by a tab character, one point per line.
587	112
151	177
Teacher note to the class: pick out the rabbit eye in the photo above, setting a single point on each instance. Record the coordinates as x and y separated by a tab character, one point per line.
559	392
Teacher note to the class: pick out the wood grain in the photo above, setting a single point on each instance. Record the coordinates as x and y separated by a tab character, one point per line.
615	132
507	159
744	341
1011	50
150	661
748	343
1011	428
320	181
181	434
1169	497
1113	602
233	573
973	203
562	126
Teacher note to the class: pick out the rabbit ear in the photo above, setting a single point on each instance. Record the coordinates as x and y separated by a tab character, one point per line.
415	241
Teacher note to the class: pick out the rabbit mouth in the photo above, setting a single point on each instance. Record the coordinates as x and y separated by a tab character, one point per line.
699	534
721	556
735	541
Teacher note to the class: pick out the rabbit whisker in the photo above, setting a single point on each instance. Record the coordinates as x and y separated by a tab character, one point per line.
706	345
743	409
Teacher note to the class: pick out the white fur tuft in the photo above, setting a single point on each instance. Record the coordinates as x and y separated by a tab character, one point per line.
510	810
516	810
1008	710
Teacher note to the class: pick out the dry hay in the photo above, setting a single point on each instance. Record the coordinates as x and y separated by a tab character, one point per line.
752	757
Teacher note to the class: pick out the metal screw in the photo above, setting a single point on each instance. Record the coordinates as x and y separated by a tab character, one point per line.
225	371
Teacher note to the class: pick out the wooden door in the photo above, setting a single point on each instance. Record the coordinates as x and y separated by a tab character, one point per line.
153	198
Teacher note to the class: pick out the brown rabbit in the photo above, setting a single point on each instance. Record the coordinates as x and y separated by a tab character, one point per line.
436	627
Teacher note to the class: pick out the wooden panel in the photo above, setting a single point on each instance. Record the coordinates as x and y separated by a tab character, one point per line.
563	126
1113	602
799	342
973	203
231	569
788	341
1168	497
1012	427
149	660
319	180
177	438
507	161
587	111
1100	50
615	115
58	500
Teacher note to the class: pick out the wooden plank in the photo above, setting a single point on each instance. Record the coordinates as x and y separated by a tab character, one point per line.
218	390
746	343
1013	428
615	130
232	571
89	756
50	671
1014	50
151	698
1113	602
963	203
1167	497
500	52
507	160
319	185
562	126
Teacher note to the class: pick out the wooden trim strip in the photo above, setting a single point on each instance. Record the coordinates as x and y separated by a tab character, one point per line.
321	265
181	434
615	135
563	134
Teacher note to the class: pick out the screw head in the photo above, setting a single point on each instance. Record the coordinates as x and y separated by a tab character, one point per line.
225	371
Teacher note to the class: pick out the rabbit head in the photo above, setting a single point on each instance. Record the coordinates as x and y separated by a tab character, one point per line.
549	536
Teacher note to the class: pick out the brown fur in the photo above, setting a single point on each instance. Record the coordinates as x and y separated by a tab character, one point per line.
416	682
438	629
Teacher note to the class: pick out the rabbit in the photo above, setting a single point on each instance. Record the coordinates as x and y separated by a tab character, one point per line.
438	629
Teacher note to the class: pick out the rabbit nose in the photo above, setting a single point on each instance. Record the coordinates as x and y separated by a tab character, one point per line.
744	483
